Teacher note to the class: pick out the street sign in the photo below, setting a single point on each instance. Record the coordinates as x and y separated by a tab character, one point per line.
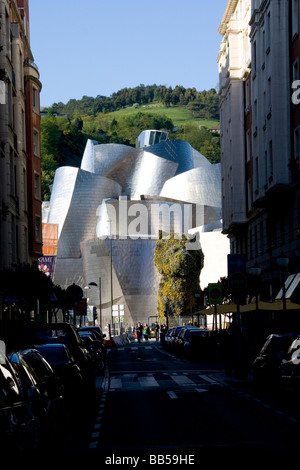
236	263
215	295
81	307
237	282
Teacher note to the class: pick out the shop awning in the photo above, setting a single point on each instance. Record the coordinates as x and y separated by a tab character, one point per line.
262	306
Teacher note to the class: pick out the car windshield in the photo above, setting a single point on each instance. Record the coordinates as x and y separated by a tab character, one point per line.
277	344
55	354
38	363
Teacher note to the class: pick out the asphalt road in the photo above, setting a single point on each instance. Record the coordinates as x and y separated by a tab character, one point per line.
155	408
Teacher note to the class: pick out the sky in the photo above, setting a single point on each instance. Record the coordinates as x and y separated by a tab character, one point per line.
97	47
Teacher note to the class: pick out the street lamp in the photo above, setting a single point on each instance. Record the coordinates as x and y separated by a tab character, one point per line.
111	280
283	263
100	308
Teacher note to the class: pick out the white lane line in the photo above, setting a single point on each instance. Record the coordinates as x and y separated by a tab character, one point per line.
208	379
172	395
148	382
182	380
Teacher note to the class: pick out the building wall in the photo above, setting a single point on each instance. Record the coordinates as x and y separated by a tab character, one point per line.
269	180
234	62
17	163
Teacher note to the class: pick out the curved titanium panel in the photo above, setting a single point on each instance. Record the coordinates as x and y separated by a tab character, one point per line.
197	185
88	159
177	151
61	195
81	217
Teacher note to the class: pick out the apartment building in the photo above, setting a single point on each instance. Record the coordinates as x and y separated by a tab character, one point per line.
20	161
258	63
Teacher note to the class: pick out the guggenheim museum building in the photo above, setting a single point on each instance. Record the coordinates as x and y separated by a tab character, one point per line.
108	214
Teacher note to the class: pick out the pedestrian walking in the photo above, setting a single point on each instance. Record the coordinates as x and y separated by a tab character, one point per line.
146	332
139	331
156	328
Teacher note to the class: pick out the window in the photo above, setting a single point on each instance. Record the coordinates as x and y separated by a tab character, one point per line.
295	17
13	173
249	194
13	239
25	189
37	186
35	99
10	105
256	181
36	145
38	231
296	70
7	28
269	102
266	166
248	145
254	59
268	33
270	162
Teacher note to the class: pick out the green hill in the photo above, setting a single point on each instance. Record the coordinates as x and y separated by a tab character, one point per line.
65	128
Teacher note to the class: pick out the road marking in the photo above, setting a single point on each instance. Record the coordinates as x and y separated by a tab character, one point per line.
115	383
200	390
148	382
172	395
208	379
182	380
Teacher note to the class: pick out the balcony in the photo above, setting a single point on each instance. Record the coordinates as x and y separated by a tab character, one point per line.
31	70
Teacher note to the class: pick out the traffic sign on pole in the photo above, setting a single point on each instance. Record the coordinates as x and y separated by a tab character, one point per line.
236	263
237	282
215	295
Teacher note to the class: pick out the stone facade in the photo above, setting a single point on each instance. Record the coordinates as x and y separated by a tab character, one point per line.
20	162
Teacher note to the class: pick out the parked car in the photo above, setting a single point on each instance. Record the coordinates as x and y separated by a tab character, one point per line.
64	366
290	366
64	333
19	427
166	338
96	330
95	347
266	366
39	383
178	336
173	335
196	343
29	385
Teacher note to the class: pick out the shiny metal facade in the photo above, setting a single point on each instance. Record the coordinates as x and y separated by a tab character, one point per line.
109	214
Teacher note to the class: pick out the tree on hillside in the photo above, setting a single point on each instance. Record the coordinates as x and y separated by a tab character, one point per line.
62	142
180	269
200	139
202	103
